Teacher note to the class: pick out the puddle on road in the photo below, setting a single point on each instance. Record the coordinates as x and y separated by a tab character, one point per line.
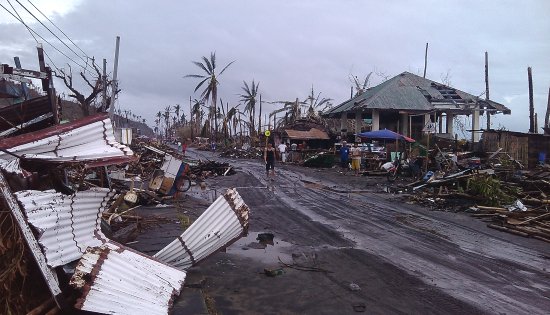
261	246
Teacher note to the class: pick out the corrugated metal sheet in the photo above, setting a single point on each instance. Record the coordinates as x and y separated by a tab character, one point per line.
312	133
66	225
225	221
88	140
117	280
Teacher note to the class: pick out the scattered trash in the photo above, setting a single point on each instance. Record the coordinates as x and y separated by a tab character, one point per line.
273	272
354	287
359	307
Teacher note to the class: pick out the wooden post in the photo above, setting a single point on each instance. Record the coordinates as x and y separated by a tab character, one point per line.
531	104
487	89
47	84
425	60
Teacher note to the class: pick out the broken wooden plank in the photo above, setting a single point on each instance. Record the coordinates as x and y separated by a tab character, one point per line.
505	229
535	218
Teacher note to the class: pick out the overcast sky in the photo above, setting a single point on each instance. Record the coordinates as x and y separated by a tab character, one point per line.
290	46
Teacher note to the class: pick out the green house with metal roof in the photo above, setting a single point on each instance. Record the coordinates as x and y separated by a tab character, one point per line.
406	103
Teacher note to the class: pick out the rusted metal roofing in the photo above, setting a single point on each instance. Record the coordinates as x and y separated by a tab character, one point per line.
311	134
225	221
87	139
409	92
117	280
66	225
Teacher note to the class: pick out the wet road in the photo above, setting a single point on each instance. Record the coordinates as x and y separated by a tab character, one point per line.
406	259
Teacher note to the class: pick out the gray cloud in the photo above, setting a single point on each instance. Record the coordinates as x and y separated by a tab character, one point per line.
288	46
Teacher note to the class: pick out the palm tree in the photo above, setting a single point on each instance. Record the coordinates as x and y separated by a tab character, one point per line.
210	92
249	99
315	104
360	88
177	109
166	117
196	110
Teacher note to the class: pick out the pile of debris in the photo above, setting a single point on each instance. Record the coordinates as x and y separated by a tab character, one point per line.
498	190
204	169
57	195
250	153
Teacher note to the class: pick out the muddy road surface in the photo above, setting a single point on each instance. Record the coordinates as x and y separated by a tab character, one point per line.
347	247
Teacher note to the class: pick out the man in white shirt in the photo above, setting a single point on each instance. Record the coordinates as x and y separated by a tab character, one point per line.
282	150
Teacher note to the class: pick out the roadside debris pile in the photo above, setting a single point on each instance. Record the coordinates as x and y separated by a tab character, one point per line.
250	153
205	169
499	190
57	199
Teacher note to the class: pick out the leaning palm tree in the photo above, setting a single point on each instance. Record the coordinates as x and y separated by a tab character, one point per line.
210	92
250	98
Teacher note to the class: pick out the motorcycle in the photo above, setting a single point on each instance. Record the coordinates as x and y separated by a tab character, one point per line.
402	167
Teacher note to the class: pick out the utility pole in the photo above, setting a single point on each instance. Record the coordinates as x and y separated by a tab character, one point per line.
487	89
115	82
104	82
260	117
547	112
425	60
531	104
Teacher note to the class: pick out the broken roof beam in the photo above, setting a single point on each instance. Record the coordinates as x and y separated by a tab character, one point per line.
225	221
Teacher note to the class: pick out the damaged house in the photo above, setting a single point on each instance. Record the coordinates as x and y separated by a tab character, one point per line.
406	103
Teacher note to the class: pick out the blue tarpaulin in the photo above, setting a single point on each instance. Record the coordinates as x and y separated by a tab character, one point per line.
384	135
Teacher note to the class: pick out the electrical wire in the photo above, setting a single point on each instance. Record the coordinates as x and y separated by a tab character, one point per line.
36	40
49	30
29	28
59	29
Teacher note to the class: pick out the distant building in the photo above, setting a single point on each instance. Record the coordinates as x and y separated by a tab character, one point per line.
406	103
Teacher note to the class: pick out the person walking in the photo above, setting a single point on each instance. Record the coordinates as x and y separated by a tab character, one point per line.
344	156
282	149
269	158
356	159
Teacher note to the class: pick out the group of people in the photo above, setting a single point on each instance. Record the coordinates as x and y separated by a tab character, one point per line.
355	153
269	157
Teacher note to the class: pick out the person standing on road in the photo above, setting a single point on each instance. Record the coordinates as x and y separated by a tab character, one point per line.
344	156
184	147
282	150
356	159
269	158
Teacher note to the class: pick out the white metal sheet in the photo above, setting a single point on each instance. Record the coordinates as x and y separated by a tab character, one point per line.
125	282
223	222
67	225
89	142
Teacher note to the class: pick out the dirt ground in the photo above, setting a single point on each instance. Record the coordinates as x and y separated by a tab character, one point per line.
347	246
